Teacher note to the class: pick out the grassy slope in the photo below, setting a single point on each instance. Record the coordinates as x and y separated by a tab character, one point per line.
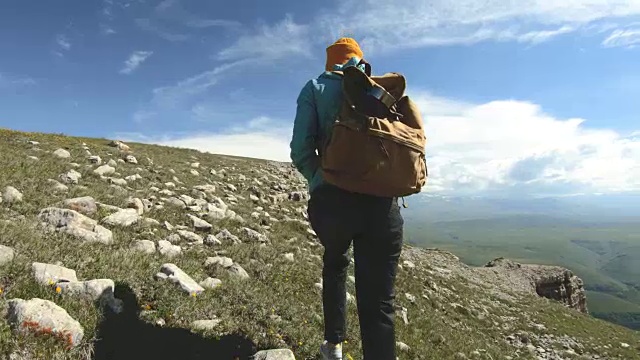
285	289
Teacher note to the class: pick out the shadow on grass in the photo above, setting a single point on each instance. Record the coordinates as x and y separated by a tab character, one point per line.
125	336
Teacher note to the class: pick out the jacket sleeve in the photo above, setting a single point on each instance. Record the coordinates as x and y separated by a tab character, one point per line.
305	127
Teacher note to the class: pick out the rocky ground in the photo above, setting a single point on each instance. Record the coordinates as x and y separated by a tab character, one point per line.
115	251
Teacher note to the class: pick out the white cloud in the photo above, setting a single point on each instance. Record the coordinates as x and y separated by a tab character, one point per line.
13	81
536	37
501	147
149	25
261	137
173	95
282	40
513	146
135	60
384	26
171	14
623	38
63	42
106	29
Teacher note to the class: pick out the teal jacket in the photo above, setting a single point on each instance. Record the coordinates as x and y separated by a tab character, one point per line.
317	106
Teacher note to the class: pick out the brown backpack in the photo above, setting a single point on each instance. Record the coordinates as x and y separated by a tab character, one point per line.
377	144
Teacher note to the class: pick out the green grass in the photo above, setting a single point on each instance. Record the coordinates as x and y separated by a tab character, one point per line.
605	255
435	331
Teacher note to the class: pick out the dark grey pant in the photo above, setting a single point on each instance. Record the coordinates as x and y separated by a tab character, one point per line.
375	226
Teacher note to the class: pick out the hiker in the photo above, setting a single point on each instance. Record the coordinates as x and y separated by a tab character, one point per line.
339	217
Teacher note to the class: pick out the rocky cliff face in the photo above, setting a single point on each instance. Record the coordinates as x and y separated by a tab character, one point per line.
552	282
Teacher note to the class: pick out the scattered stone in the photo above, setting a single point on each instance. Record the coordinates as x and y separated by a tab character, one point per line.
38	316
254	235
221	261
190	236
211	240
278	354
169	250
62	153
210	283
112	163
237	271
207	188
176	275
95	159
85	205
408	264
137	204
49	274
105	170
176	202
225	235
145	246
124	217
131	159
120	145
200	224
91	289
205	325
289	257
11	195
6	255
70	177
402	346
132	178
188	200
108	207
194	172
167	225
116	181
75	224
56	186
411	298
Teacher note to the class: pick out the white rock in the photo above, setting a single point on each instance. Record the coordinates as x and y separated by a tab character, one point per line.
210	283
167	249
211	240
277	354
38	315
70	177
85	205
131	159
124	217
105	170
6	255
200	224
11	195
49	274
176	275
136	203
95	159
221	261
204	325
190	236
289	257
62	153
145	246
75	224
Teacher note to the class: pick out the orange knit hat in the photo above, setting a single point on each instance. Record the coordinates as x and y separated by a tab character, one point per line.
341	51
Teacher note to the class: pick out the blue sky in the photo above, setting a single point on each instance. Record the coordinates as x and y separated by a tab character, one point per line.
532	97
